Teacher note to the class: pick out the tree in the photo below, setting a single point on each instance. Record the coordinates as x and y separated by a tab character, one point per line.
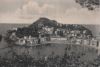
90	4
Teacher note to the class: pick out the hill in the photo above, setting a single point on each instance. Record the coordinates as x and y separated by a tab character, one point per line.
41	23
45	22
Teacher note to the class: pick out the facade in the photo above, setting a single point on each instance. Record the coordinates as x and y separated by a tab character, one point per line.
29	41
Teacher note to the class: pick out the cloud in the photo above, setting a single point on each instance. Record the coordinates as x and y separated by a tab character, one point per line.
28	12
32	8
64	11
10	5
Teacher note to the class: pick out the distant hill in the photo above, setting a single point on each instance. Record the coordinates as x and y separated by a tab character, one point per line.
45	22
52	23
37	26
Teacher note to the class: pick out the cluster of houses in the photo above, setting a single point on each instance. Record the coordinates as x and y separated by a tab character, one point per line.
58	35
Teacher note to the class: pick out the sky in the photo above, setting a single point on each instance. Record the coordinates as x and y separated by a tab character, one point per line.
63	11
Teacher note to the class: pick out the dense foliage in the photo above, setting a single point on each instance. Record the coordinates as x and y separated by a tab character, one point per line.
69	59
90	4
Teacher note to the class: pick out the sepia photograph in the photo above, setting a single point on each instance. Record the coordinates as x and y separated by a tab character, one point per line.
49	33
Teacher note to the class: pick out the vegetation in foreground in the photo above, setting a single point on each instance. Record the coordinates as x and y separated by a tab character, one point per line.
70	58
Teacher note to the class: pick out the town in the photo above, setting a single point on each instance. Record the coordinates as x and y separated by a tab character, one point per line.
43	34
